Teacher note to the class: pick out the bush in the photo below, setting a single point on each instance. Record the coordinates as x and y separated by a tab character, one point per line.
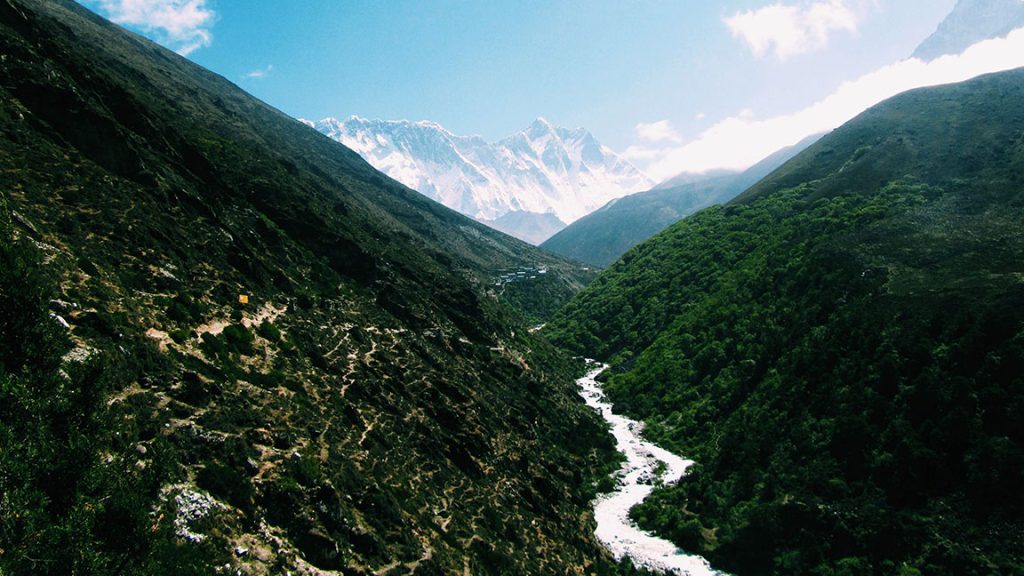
228	484
269	331
212	346
239	340
60	498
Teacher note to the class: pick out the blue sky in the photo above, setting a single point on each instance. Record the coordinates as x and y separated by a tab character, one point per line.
642	76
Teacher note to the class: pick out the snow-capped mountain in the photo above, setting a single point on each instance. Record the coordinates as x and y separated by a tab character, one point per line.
542	170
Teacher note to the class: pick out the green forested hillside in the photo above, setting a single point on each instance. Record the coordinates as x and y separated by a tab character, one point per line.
599	238
841	349
374	407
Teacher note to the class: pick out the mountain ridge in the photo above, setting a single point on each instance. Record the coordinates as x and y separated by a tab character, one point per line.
231	344
839	348
605	234
969	22
542	169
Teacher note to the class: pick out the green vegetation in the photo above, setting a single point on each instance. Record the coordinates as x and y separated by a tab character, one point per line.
375	406
601	237
65	508
539	296
841	350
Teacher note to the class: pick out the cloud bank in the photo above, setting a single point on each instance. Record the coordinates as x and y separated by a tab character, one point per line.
785	31
182	25
659	131
740	141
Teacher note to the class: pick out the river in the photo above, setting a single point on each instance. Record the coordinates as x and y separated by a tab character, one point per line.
636	480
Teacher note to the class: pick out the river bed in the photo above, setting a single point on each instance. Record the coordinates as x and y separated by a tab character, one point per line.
635	481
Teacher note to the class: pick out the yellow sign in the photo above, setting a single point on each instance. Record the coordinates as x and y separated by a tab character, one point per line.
243	298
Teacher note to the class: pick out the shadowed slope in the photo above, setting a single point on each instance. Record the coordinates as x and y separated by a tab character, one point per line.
373	406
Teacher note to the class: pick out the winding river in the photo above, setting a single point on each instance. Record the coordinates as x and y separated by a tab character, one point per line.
636	480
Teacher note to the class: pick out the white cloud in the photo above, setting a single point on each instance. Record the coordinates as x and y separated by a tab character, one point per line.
259	72
787	30
182	25
742	140
640	154
659	131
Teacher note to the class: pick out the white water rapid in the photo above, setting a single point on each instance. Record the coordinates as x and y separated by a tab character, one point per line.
636	480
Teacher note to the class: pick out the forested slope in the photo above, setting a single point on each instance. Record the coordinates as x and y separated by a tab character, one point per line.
841	349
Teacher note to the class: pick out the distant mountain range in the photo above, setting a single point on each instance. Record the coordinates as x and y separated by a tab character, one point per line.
546	175
694	178
602	236
972	21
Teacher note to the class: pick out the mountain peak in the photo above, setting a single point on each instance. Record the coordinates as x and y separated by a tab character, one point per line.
541	121
430	124
541	126
542	169
539	129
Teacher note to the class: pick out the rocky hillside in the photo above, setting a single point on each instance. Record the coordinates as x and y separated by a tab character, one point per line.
840	349
232	346
542	173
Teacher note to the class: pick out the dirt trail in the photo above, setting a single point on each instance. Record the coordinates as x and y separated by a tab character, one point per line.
267	312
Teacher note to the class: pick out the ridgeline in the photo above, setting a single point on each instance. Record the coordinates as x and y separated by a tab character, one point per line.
230	345
840	349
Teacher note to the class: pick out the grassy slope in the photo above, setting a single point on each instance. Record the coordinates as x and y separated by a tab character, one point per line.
373	405
840	348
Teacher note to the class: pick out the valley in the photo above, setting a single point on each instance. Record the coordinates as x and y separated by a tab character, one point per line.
837	348
640	473
237	342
